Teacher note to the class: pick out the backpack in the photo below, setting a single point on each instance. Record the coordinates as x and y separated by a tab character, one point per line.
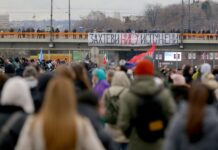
9	133
112	107
150	121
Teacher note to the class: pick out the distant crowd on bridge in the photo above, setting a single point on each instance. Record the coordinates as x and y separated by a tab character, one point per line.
83	34
31	29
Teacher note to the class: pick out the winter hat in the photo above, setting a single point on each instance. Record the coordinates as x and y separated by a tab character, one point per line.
100	73
178	79
144	67
16	93
205	68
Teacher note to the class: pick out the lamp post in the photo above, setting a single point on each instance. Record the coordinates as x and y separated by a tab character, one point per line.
69	17
189	15
51	22
182	24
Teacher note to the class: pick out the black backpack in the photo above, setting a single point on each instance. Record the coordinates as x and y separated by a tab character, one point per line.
150	121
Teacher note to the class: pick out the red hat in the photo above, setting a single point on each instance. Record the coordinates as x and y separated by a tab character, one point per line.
144	67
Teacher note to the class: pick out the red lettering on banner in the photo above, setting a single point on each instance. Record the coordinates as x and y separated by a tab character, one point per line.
125	39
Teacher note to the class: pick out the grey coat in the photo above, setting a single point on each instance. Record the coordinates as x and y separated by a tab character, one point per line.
176	138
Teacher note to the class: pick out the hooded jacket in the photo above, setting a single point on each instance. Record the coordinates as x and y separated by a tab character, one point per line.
177	139
16	98
119	84
142	85
16	93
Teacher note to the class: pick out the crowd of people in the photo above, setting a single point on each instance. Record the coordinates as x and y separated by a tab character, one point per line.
129	30
82	106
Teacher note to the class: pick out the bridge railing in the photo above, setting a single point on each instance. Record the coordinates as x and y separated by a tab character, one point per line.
83	35
43	35
190	36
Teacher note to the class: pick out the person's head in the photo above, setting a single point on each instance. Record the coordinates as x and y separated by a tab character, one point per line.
16	93
205	68
144	68
90	98
98	75
30	72
60	103
178	80
3	79
43	81
10	70
120	79
65	71
199	97
179	87
110	74
123	68
188	70
81	74
215	72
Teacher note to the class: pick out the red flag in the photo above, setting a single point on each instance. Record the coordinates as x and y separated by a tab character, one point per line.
105	59
141	56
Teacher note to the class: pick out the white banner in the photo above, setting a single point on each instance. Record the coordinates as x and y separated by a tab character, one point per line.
132	39
216	56
173	56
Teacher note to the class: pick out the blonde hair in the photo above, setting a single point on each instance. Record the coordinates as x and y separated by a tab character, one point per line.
58	115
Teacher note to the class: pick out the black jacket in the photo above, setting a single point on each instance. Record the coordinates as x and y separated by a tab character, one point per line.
87	107
92	115
6	113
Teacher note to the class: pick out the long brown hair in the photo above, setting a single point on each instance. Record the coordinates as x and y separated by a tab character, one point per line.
198	98
65	71
81	75
58	115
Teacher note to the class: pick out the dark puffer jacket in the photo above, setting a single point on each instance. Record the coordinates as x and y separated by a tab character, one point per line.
6	112
88	107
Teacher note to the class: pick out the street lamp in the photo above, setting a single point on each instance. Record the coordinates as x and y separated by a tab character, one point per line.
51	22
189	15
182	25
69	17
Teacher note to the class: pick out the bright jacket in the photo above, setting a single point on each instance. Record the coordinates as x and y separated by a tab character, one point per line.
100	87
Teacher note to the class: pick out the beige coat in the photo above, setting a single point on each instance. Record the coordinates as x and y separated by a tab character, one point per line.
87	139
120	83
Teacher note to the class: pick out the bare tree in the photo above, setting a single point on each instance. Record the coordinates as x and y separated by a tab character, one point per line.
152	12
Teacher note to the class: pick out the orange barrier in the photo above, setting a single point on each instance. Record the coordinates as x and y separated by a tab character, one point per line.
32	35
84	35
199	36
62	57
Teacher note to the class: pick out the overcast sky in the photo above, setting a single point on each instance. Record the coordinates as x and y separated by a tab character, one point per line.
26	9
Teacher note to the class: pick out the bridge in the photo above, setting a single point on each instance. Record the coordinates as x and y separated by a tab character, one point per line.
79	41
